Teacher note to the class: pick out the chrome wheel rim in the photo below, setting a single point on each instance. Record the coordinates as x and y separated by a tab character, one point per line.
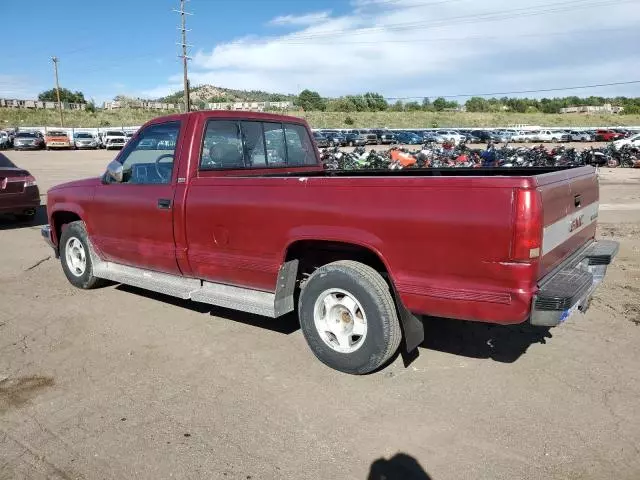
75	256
340	320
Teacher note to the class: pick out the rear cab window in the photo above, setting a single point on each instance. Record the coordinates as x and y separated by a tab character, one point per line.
240	144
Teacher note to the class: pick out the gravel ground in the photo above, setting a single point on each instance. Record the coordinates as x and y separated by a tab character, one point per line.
121	383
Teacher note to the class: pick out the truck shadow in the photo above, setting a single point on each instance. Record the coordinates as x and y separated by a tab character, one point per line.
501	343
287	324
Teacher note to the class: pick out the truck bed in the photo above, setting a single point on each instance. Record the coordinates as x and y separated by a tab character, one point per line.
425	172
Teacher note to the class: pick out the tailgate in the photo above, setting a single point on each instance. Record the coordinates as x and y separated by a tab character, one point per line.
570	212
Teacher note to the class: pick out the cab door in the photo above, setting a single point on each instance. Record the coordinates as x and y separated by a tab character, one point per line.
131	222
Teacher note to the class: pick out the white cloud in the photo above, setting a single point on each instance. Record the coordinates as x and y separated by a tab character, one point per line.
16	86
407	48
306	19
161	91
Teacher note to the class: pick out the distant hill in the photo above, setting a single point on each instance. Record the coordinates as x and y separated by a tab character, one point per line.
210	93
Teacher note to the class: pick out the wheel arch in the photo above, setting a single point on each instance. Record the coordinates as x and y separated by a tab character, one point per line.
60	217
305	251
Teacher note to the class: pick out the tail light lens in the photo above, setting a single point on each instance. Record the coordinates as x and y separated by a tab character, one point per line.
527	234
30	181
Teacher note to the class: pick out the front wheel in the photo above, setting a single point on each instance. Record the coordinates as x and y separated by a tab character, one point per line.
75	257
348	317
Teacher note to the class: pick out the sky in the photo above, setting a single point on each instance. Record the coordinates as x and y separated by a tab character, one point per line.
399	48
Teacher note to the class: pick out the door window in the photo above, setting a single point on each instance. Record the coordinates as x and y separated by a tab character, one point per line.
149	158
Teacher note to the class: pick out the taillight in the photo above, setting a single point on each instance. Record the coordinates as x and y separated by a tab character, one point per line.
30	181
527	234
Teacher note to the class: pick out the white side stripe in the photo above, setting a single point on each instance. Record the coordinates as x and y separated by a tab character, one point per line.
559	232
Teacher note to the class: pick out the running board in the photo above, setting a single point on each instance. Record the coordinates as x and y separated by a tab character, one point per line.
237	298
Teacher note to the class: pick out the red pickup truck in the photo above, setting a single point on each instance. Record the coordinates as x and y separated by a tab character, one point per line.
235	209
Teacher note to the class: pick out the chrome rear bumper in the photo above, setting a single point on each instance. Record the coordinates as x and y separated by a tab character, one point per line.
570	286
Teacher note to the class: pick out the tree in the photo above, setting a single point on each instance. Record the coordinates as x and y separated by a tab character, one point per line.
477	104
397	107
412	106
439	104
309	101
426	104
65	96
375	102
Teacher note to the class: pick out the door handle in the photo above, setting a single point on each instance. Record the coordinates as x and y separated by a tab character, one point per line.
164	203
577	200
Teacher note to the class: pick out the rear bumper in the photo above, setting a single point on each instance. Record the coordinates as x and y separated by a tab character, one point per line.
19	203
570	286
28	147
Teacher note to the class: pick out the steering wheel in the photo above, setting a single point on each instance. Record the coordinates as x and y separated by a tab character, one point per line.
165	178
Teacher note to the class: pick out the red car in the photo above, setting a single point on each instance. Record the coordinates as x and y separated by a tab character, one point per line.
235	209
19	195
608	135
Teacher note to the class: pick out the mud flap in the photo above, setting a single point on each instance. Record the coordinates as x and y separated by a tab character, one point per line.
412	331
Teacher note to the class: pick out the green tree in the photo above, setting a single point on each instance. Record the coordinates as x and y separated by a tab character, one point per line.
65	96
341	104
412	106
310	101
426	104
397	107
439	104
375	102
477	104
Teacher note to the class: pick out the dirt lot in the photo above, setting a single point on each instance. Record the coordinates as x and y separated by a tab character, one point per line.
119	383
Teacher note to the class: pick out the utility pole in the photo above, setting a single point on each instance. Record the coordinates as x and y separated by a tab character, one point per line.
185	58
55	69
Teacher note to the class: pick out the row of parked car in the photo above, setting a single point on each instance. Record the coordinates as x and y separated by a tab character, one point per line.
53	139
360	137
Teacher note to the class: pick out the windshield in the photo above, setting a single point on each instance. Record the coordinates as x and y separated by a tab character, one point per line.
25	135
115	134
84	135
57	134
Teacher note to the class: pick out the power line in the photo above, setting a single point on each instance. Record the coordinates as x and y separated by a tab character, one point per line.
517	92
477	37
467	19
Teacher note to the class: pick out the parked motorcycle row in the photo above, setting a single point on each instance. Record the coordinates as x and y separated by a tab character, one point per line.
432	155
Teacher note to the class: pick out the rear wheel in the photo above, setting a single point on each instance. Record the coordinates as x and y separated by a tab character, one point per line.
348	317
75	257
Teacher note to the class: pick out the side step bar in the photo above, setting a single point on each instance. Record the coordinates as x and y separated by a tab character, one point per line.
244	299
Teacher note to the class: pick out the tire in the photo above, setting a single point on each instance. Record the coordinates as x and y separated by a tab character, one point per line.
373	301
76	232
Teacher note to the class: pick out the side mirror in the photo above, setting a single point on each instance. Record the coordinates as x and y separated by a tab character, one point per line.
114	170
